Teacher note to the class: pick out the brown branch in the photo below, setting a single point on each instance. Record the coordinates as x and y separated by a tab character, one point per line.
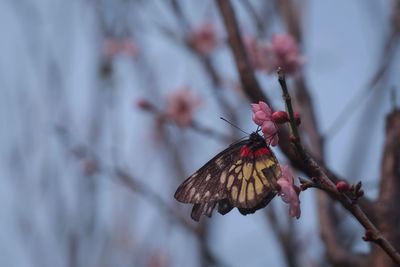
336	252
291	16
389	194
262	16
323	182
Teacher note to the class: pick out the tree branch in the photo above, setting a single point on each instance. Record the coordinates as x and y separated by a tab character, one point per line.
323	182
389	194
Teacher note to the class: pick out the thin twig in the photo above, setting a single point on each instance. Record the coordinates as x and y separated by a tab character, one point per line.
197	127
288	102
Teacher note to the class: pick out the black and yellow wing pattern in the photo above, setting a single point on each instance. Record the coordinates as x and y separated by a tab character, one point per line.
244	176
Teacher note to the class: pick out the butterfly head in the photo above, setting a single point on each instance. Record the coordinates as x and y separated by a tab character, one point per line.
257	141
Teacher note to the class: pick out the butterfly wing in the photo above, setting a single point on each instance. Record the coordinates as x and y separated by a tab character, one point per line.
208	183
244	176
206	187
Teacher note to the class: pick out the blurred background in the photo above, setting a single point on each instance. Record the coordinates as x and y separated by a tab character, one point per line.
106	106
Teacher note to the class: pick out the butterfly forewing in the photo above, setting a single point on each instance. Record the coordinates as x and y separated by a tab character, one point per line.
244	176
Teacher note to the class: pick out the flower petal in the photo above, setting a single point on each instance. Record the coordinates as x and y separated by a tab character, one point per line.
288	192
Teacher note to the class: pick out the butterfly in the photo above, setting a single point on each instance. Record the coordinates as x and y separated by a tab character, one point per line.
244	176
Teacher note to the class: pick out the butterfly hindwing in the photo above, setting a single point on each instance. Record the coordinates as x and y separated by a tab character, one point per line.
244	176
208	183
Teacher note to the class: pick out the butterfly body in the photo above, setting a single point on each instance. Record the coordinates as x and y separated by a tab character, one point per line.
243	175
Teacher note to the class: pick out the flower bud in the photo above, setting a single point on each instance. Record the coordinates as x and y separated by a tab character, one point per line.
368	236
280	117
342	186
297	118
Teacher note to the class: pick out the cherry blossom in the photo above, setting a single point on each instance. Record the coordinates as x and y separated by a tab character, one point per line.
113	47
262	116
181	105
283	51
204	38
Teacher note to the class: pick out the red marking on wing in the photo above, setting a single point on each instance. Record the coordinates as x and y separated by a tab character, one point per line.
245	151
262	151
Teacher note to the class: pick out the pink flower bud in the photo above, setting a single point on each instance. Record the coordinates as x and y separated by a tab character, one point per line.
342	186
280	117
368	236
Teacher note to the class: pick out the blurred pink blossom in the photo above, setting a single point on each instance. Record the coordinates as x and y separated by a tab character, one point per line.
286	53
254	52
113	47
262	116
283	51
204	38
289	192
181	105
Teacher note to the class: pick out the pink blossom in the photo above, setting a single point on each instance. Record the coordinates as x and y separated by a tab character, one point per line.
282	51
270	131
285	54
262	116
289	192
181	105
204	38
254	52
113	47
261	112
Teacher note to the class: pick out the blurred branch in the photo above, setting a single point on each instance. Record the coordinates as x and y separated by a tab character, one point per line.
197	127
83	152
285	237
389	194
289	11
258	22
336	252
248	80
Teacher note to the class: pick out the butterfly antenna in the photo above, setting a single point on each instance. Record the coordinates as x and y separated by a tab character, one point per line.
233	125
